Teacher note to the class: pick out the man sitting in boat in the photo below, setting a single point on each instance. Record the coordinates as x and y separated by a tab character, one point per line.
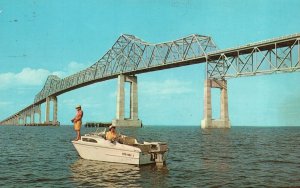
111	134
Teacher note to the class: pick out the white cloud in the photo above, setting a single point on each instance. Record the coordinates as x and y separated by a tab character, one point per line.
30	76
60	74
27	77
74	67
167	87
36	77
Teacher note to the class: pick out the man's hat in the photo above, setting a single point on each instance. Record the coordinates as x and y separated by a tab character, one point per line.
78	106
112	126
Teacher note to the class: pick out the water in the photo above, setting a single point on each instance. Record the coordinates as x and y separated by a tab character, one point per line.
238	157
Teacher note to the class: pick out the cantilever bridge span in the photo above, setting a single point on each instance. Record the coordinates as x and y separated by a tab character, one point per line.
130	56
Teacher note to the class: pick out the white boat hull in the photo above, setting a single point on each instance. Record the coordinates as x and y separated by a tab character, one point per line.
115	152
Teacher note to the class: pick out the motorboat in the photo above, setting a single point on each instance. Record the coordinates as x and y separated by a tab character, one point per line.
124	149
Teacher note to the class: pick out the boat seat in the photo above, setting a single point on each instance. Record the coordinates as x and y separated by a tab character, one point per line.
144	148
128	140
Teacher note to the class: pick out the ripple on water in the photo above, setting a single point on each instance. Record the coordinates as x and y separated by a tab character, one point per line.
238	157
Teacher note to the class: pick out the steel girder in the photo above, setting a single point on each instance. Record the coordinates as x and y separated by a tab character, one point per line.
273	56
130	54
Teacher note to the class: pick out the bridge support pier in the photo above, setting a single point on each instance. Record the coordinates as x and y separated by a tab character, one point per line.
16	120
40	114
37	110
32	116
47	111
133	120
24	118
54	110
207	121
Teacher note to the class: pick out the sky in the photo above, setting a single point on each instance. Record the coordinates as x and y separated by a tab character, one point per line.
40	38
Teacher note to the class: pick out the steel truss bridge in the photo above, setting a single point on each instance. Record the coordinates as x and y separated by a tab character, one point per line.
130	56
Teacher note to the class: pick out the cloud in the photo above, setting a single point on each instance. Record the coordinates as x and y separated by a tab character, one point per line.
27	77
167	87
35	77
74	67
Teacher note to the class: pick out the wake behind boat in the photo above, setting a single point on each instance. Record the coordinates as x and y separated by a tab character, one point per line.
126	149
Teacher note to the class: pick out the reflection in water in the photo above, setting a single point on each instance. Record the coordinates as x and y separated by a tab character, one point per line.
217	150
104	174
153	176
97	173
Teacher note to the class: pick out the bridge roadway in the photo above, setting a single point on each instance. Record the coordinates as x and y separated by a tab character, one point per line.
130	56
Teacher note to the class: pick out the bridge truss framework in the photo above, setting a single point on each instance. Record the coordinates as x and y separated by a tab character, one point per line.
131	55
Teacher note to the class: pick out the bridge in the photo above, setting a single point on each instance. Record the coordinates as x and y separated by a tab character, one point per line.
130	56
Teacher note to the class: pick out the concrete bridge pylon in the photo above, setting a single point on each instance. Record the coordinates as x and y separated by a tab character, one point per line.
47	110
208	121
133	120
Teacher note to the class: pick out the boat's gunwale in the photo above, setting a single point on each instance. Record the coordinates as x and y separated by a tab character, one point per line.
91	144
99	138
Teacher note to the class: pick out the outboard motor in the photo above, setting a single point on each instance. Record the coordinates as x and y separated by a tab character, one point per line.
158	149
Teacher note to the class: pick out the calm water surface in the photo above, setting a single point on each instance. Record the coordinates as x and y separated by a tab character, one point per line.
238	157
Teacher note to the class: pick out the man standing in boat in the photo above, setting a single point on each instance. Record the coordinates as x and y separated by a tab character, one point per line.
77	120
